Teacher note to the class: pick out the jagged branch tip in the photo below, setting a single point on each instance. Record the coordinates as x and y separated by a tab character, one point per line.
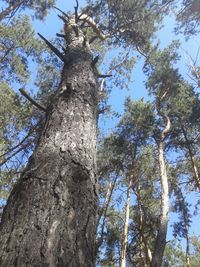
76	12
65	14
53	48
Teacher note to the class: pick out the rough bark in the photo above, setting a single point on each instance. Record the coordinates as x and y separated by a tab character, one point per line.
126	223
160	241
50	217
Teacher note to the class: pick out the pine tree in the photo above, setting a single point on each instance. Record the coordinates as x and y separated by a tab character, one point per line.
54	202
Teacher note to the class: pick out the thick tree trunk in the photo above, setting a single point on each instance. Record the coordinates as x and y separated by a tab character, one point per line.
50	217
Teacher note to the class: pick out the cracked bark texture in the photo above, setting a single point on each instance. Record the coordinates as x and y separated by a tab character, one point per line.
50	217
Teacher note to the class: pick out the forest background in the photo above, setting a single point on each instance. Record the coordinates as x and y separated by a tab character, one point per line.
132	83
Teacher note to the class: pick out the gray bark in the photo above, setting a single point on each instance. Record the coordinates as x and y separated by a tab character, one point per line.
50	217
160	241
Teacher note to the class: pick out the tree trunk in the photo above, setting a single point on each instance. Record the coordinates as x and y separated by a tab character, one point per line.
143	256
50	217
103	215
187	250
194	167
145	252
163	221
126	223
160	241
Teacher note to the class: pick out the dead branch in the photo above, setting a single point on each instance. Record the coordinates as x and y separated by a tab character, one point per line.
104	75
76	11
60	35
23	92
65	14
63	19
53	48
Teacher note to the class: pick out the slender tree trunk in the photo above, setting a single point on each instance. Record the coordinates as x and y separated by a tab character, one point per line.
103	214
145	252
186	223
187	251
160	241
163	221
143	256
126	223
185	215
148	251
106	202
194	167
50	217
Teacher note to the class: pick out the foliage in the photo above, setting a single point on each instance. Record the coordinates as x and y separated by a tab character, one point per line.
17	44
39	7
188	17
129	22
175	256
